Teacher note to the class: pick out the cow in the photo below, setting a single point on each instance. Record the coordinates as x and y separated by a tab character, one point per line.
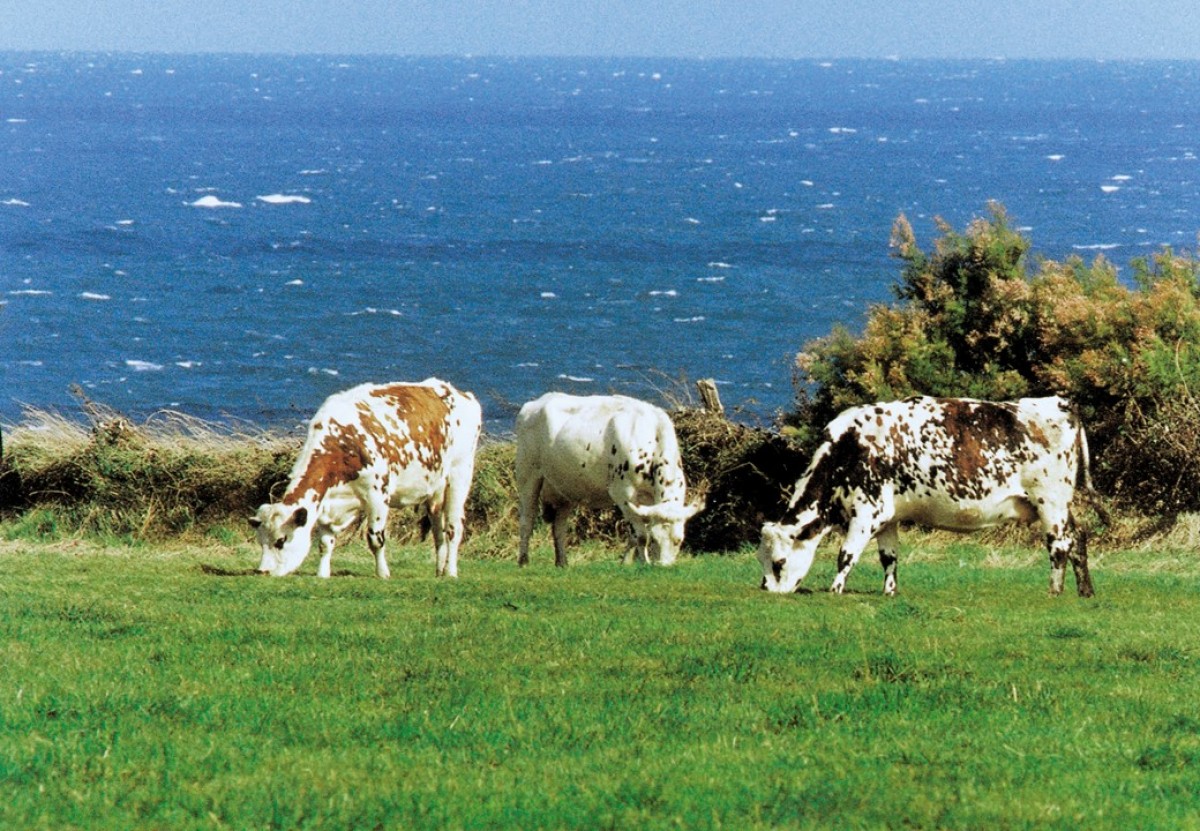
598	451
950	463
370	448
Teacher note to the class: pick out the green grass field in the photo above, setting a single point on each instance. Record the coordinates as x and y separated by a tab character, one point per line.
163	687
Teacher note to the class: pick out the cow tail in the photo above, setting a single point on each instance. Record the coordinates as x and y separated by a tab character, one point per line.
1083	476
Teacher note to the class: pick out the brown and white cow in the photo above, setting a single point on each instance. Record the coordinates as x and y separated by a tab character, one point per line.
597	451
949	463
370	448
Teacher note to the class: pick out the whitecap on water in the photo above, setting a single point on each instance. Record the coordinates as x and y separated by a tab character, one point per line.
212	201
284	199
1110	188
581	379
16	203
91	295
143	366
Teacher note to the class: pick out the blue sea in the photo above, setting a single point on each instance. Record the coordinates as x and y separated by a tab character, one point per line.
240	236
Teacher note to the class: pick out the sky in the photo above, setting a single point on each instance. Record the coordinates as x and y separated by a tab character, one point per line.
1089	29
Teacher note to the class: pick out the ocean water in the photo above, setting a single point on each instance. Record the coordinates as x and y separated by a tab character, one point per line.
239	236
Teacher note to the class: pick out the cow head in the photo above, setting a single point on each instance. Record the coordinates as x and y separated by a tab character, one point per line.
662	527
285	534
786	551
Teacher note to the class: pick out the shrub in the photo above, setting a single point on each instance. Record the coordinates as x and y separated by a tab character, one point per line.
170	475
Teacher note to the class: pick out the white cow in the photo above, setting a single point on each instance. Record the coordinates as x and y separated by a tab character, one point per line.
598	451
370	448
950	463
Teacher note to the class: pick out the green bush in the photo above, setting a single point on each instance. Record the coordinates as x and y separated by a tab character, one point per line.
978	318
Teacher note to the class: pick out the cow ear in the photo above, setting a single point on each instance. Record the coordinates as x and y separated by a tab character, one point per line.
299	518
255	522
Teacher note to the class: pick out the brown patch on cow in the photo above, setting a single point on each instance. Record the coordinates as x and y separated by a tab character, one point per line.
427	415
976	431
339	458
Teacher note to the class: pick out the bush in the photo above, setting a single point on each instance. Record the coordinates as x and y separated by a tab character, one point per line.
746	473
973	320
168	476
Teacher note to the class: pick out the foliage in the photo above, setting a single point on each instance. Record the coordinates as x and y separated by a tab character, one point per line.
745	473
976	318
153	689
171	475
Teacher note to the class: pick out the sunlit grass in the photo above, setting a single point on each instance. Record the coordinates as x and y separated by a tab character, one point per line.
163	687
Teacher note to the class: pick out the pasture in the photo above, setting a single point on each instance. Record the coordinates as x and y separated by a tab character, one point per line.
160	686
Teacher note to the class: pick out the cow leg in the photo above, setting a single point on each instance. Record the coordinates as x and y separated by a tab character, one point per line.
452	522
377	515
529	494
1066	541
1079	561
639	544
559	528
858	535
889	540
1062	544
328	539
437	528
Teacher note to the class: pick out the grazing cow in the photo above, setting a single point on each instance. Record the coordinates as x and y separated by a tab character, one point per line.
948	463
597	451
370	448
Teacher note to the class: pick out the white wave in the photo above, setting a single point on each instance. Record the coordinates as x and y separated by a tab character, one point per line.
30	293
187	364
296	282
212	201
313	172
768	218
1121	177
691	220
581	379
719	264
16	203
693	319
143	366
91	295
837	131
719	279
1056	157
1099	246
528	365
284	199
828	206
1110	188
548	295
664	293
124	222
313	370
16	120
371	310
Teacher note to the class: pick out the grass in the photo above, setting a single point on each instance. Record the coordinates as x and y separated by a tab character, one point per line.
160	686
